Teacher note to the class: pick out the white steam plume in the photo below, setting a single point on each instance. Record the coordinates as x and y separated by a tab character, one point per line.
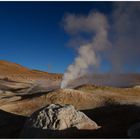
88	57
124	31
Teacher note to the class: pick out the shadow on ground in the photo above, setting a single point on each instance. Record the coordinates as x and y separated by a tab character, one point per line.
114	119
10	124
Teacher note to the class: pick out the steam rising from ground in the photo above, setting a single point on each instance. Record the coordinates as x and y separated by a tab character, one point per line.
122	50
88	56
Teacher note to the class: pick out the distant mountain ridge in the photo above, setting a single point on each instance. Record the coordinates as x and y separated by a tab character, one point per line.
16	72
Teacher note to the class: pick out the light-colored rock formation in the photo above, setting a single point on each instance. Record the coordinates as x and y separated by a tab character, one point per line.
57	121
58	117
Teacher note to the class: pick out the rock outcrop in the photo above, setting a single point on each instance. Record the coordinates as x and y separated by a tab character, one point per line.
56	118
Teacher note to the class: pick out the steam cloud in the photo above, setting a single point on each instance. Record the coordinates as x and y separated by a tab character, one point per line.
125	53
122	50
96	24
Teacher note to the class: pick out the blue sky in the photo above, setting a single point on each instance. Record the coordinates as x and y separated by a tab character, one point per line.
31	33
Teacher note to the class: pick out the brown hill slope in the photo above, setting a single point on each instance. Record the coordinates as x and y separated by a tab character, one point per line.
16	72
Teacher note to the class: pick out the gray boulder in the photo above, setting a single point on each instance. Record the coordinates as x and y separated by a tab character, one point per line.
56	119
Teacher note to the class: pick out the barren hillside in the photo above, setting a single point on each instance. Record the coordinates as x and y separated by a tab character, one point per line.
16	72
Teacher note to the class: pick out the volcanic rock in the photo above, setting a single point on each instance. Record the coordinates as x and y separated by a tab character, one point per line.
56	117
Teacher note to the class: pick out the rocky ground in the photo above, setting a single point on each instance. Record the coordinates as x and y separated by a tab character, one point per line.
115	111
